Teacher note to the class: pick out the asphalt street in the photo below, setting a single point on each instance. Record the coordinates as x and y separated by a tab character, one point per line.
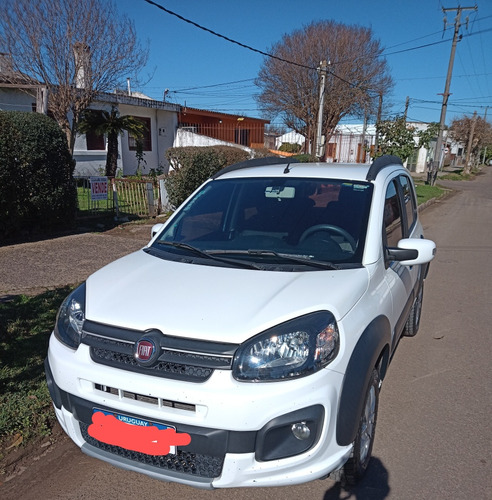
434	431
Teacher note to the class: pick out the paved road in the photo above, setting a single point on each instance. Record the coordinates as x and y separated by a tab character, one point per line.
434	430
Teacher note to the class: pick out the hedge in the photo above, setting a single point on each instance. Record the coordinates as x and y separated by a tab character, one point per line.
37	192
194	165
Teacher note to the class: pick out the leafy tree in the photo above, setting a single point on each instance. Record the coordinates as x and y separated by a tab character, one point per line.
395	138
76	48
111	124
357	75
427	135
480	132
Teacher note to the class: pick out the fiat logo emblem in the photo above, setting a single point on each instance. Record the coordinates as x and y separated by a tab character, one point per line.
145	351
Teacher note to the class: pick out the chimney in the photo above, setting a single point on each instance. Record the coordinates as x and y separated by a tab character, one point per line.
82	65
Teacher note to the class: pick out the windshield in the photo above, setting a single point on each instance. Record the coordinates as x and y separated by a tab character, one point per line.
273	221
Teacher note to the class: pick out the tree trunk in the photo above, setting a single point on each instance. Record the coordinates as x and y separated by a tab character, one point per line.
112	156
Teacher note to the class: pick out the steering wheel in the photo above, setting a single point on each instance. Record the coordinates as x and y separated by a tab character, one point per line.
330	228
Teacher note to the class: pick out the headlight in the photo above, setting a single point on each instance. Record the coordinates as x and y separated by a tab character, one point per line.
70	318
293	349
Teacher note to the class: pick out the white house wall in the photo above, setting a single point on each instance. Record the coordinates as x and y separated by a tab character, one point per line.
187	138
162	126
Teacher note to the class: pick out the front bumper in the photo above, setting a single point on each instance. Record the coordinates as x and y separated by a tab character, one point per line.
251	444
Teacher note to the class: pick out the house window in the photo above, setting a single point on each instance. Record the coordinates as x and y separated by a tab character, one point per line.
95	141
146	139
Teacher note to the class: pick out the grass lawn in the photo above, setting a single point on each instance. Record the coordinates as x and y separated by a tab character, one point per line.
25	404
426	192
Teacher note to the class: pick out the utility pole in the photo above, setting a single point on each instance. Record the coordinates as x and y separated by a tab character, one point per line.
320	138
378	120
363	142
446	94
407	103
485	121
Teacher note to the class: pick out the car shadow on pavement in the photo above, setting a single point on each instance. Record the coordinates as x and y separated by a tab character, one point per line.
373	486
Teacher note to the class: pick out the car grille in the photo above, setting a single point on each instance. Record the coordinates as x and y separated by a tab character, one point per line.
159	402
194	464
182	359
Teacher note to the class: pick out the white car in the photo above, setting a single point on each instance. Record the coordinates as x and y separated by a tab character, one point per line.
246	344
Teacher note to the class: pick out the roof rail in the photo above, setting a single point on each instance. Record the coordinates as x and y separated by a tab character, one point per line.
379	163
255	162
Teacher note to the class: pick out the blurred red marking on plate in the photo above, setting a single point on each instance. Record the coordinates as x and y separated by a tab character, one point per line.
149	439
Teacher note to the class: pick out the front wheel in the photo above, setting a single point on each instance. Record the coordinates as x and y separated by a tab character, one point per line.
356	465
413	321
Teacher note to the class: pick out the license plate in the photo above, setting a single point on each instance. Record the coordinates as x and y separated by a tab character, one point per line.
135	434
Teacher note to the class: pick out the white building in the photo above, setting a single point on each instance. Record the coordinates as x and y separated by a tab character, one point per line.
160	119
354	144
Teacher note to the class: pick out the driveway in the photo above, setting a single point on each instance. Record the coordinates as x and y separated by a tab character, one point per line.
31	268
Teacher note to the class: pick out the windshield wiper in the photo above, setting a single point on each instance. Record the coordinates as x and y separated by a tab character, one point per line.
206	255
285	256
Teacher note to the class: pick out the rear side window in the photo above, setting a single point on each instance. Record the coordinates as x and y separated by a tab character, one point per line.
410	207
392	216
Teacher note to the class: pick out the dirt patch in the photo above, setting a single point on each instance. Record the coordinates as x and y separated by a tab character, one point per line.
18	459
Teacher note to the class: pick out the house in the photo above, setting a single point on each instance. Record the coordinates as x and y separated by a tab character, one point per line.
354	143
345	145
198	127
18	92
167	125
160	119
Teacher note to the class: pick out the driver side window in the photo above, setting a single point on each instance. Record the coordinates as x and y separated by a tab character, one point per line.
392	216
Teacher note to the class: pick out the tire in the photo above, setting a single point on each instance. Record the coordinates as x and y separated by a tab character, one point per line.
356	465
413	321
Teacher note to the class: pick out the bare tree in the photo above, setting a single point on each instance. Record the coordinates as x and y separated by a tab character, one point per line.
474	132
357	75
76	48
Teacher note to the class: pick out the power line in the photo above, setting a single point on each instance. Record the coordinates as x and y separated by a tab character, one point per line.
189	21
266	54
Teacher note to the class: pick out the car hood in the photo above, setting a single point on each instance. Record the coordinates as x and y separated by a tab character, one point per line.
142	292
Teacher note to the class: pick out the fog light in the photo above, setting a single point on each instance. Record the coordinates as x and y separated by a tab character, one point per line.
301	431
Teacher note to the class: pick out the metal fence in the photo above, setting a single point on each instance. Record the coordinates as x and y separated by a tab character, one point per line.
137	197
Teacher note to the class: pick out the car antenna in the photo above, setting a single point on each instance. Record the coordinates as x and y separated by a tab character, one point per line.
287	169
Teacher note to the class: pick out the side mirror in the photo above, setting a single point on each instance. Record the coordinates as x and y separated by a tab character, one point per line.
412	251
156	228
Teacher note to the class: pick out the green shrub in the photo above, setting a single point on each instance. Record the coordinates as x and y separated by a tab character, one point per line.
290	147
306	158
194	165
37	192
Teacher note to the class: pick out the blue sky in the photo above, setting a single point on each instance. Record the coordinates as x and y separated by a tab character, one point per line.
207	72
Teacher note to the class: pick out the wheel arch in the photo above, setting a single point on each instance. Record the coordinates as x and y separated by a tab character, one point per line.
371	351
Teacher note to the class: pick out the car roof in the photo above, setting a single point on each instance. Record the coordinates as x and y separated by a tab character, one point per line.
280	167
